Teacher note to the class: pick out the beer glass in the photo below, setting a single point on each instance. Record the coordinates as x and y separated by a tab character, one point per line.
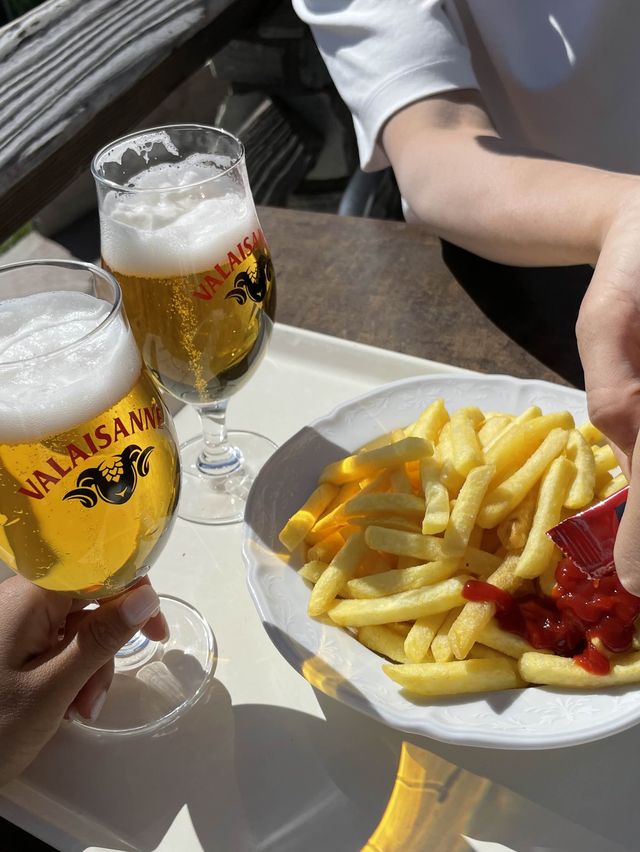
89	467
179	231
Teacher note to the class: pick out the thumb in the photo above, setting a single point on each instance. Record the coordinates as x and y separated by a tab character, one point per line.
103	632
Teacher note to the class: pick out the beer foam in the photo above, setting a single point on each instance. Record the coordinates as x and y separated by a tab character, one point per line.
45	388
160	234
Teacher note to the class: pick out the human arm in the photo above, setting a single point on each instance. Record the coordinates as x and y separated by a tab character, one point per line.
408	82
525	208
56	659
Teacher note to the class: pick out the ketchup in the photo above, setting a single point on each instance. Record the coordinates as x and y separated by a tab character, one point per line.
580	609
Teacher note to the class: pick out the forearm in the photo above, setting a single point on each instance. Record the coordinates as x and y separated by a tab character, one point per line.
474	189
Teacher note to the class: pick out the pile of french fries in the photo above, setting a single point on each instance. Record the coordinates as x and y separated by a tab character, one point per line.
392	533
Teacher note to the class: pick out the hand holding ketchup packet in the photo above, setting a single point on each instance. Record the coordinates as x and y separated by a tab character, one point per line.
588	537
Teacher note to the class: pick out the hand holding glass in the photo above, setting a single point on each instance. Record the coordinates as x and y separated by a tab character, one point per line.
89	469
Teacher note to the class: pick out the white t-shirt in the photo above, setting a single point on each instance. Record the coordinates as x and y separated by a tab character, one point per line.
561	76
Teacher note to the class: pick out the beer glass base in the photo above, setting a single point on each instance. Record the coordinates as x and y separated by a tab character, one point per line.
220	498
155	685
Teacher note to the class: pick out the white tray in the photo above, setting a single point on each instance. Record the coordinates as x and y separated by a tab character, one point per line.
269	764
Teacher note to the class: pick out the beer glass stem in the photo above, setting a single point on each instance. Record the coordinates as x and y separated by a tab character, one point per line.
218	457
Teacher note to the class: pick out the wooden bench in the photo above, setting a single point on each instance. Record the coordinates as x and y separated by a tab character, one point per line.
75	74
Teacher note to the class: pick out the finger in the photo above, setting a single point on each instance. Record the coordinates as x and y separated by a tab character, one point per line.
156	628
90	700
100	634
31	618
623	460
626	552
610	350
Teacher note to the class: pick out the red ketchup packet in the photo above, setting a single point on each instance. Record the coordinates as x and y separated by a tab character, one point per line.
588	537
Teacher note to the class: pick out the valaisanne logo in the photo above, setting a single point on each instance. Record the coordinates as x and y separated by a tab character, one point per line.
253	246
113	482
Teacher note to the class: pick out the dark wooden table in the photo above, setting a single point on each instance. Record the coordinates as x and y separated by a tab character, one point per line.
376	282
384	283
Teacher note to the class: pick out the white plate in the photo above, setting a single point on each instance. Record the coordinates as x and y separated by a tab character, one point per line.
331	659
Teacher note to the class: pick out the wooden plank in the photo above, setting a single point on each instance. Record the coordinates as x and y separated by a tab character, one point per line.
75	74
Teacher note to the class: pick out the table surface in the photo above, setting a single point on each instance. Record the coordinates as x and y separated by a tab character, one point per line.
384	283
380	283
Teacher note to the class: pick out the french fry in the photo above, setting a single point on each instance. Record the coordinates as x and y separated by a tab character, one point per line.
379	504
336	575
603	482
521	440
483	652
528	414
507	643
591	433
551	670
440	646
311	571
429	424
479	562
466	450
374	562
612	486
418	640
475	539
402	579
503	499
539	549
443	453
333	520
514	530
400	482
345	492
476	615
383	641
404	561
492	428
464	514
401	627
297	527
326	549
605	459
391	522
383	441
583	486
454	678
425	547
547	580
370	462
404	606
436	498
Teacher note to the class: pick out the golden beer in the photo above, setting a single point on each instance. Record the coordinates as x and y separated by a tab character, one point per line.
86	502
180	232
201	333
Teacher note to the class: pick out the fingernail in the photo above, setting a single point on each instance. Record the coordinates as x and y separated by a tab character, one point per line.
139	605
74	715
98	704
165	627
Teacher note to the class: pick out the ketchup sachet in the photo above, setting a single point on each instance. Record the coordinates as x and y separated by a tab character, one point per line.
588	537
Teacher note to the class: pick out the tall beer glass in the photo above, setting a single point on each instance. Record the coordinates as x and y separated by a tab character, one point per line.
179	231
89	468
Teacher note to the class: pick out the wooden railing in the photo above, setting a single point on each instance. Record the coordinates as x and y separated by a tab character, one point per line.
75	74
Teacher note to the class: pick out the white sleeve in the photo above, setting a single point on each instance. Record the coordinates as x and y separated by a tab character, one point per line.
383	55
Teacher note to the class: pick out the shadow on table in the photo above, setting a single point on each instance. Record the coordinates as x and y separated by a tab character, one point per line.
268	778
